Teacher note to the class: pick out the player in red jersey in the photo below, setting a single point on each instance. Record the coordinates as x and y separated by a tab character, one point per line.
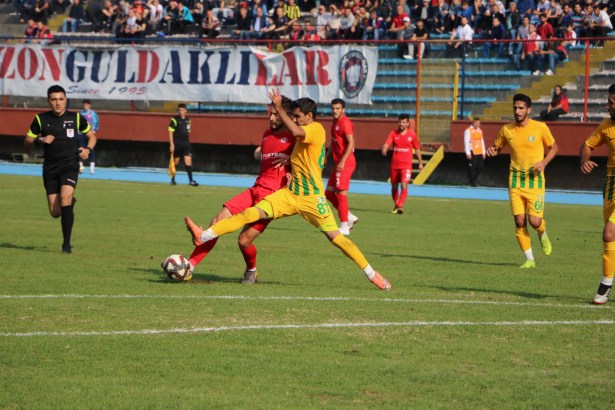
277	144
342	149
402	141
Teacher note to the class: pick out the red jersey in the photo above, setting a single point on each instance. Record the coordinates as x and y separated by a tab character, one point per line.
402	145
274	146
398	20
340	128
545	30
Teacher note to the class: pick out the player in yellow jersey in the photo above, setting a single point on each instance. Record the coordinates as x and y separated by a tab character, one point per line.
532	147
305	195
605	134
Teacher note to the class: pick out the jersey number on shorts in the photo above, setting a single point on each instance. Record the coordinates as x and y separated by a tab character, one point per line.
323	208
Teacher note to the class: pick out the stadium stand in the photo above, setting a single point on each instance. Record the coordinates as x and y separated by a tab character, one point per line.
488	83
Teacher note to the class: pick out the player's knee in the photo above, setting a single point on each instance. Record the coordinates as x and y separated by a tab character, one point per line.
331	235
244	241
608	235
520	221
535	221
223	214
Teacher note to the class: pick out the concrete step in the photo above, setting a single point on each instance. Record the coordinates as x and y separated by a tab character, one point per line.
12	29
543	85
447	92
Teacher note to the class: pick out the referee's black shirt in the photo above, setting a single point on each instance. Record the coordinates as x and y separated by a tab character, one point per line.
181	130
65	128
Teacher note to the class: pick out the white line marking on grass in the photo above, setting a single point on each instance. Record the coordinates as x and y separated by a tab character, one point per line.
306	326
306	298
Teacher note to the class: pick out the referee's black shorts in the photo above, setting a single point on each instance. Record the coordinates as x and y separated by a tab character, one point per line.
57	174
182	150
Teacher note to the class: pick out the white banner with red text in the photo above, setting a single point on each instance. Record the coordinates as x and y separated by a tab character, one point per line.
237	74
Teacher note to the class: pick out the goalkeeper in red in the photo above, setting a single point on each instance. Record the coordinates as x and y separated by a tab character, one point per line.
305	195
605	134
276	145
403	142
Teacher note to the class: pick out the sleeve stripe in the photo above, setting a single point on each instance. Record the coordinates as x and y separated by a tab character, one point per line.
87	129
30	133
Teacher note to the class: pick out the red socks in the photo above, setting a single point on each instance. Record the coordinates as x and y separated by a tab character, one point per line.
200	252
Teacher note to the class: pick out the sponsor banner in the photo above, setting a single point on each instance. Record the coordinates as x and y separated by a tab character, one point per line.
214	74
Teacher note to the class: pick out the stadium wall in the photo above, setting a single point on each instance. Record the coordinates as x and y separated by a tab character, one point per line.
226	143
206	128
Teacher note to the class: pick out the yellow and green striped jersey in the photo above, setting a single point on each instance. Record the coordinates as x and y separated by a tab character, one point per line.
605	134
527	147
307	161
609	188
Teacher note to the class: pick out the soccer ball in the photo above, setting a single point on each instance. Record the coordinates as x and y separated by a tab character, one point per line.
177	268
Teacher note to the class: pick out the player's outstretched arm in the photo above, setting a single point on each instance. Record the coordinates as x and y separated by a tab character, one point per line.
585	154
293	128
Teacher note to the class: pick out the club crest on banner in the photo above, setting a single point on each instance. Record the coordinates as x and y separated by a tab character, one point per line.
353	73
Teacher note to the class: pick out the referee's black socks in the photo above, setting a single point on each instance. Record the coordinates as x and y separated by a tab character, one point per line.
68	219
189	172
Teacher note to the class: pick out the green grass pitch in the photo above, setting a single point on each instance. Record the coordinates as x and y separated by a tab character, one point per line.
463	327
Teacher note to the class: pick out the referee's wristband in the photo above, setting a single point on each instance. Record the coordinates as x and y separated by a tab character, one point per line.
38	141
88	148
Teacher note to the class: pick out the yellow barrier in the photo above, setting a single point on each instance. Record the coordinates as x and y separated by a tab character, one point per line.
430	167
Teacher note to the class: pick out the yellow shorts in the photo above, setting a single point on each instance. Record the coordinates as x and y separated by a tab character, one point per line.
530	201
313	208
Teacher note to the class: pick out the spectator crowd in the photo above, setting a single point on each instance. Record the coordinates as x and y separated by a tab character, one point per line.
549	27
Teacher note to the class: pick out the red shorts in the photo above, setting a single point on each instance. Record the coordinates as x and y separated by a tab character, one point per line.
245	200
341	180
401	175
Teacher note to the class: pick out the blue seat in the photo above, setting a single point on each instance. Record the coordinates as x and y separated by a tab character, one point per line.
498	73
481	60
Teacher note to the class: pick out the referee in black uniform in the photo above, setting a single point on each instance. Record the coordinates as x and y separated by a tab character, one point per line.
179	139
57	132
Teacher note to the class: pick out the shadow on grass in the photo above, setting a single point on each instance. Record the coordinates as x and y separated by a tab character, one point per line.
443	259
8	245
197	278
527	295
